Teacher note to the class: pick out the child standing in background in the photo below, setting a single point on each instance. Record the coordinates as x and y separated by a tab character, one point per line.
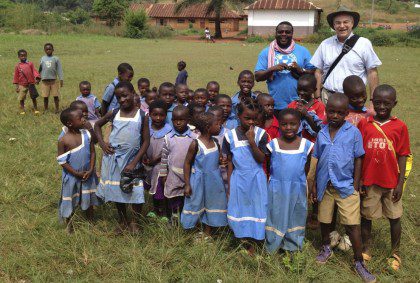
245	147
90	100
246	82
205	193
76	154
287	189
229	119
354	88
270	122
182	73
148	98
195	110
181	92
143	85
174	150
50	68
25	75
167	94
201	97
213	89
128	143
158	129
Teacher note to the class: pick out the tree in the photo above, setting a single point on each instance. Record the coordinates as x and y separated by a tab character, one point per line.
110	10
215	6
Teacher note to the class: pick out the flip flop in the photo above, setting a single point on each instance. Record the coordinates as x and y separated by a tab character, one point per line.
22	113
394	262
366	257
36	112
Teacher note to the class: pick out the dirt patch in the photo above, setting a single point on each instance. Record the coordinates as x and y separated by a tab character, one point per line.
33	32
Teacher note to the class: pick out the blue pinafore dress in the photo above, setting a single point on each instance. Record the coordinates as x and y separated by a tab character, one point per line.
247	204
208	202
125	138
74	192
287	197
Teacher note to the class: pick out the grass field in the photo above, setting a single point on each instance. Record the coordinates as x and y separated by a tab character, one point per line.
34	245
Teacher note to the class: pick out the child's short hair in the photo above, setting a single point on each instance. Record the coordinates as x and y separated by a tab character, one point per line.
385	88
244	73
77	104
352	83
166	85
248	103
180	108
21	51
336	96
192	106
126	85
124	67
215	108
201	90
222	96
143	80
204	121
84	83
159	103
182	64
310	78
212	83
179	86
65	115
263	96
49	44
289	111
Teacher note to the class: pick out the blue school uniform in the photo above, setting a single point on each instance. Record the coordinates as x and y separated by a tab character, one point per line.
247	205
169	114
208	202
125	138
231	122
73	190
287	194
236	100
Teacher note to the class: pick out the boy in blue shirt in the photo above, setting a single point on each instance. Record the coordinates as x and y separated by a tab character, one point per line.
338	153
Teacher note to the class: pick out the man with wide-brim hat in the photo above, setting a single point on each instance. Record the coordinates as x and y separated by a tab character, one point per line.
361	60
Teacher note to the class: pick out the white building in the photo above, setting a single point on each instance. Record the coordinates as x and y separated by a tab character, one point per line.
265	15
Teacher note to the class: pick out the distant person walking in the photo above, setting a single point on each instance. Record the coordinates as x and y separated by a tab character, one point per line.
182	73
357	56
208	35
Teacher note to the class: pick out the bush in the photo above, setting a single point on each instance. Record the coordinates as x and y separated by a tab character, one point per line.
381	39
157	32
110	10
78	16
135	24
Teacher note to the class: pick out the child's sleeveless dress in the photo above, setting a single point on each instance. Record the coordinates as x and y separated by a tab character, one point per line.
155	150
219	139
287	197
247	205
125	138
74	192
208	202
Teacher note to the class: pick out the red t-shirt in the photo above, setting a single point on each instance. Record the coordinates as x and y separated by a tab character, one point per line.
355	116
273	131
380	166
25	74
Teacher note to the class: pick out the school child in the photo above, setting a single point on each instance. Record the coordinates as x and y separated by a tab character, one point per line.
50	68
109	101
80	105
143	85
149	97
205	193
190	97
181	92
217	111
175	146
90	100
76	154
158	129
387	146
246	82
312	110
167	93
270	122
201	97
182	76
337	155
230	120
25	75
354	88
195	110
213	89
287	200
245	147
123	153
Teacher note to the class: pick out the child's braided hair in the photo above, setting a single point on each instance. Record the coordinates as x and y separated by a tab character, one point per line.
248	103
204	121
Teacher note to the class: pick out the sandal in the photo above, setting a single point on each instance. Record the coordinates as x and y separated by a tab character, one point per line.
394	262
366	257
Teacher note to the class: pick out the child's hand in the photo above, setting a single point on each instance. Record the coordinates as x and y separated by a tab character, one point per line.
312	194
17	89
397	193
187	190
107	148
223	161
302	109
130	167
250	134
80	174
37	80
86	175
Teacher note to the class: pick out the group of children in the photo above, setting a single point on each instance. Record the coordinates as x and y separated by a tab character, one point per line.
210	159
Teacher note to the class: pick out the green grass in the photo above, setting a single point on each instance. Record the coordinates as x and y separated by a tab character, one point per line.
34	246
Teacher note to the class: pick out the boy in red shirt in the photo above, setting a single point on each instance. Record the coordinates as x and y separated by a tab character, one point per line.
387	145
355	89
306	88
25	75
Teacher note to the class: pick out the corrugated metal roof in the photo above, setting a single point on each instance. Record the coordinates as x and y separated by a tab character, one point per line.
282	5
167	10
